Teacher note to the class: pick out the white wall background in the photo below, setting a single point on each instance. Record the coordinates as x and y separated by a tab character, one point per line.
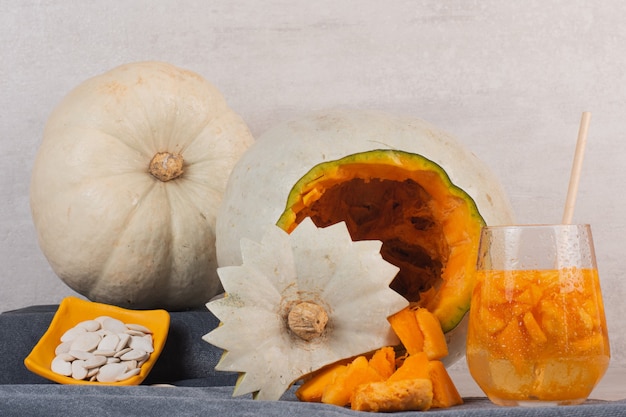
508	78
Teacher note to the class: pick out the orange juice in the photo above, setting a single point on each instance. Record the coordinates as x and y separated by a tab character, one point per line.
537	335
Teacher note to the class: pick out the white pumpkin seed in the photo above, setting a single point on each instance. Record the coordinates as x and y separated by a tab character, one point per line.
110	372
122	352
130	364
78	370
61	367
71	334
63	348
89	325
109	342
139	328
101	319
66	357
103	333
107	353
123	343
137	342
95	362
134	355
114	325
80	354
128	374
86	342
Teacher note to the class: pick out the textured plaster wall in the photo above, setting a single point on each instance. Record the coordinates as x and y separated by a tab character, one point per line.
509	79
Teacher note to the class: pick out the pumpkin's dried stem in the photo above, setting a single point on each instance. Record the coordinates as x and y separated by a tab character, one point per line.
166	166
307	320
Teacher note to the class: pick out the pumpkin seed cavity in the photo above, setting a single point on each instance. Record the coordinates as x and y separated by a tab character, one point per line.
398	213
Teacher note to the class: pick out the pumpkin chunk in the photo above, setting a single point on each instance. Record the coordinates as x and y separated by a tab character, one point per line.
312	390
414	367
345	382
445	393
404	325
435	344
384	361
404	395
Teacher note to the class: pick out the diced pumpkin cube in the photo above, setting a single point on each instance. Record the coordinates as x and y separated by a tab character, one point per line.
513	344
534	330
313	389
596	344
435	344
595	311
405	326
445	393
551	317
384	361
403	395
490	320
356	373
414	367
586	320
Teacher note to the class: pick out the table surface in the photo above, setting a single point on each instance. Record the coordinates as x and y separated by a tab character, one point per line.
612	387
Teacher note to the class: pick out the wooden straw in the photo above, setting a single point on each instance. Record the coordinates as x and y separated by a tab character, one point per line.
572	190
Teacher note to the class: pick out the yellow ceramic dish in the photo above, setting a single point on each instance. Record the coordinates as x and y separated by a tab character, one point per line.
72	311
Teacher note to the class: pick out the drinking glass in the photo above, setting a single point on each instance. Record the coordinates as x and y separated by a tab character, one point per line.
537	331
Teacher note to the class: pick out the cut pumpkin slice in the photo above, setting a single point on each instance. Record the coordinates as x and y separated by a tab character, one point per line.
414	367
404	325
435	345
340	391
313	388
445	393
384	361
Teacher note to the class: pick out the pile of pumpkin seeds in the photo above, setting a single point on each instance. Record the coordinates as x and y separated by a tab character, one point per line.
104	349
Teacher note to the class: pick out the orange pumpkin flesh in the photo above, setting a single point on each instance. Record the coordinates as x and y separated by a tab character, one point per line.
340	390
384	361
384	383
445	393
429	227
435	345
313	389
404	324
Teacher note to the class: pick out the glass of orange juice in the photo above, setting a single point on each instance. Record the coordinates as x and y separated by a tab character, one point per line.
537	332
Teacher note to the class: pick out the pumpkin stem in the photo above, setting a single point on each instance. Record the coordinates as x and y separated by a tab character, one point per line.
166	166
307	320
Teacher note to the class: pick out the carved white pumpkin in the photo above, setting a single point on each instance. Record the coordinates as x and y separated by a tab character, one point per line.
127	182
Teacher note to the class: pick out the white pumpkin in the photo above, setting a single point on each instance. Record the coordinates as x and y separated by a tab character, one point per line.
127	183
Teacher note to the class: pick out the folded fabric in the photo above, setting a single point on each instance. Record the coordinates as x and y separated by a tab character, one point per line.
74	400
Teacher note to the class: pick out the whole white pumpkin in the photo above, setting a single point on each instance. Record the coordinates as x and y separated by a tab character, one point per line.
127	183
